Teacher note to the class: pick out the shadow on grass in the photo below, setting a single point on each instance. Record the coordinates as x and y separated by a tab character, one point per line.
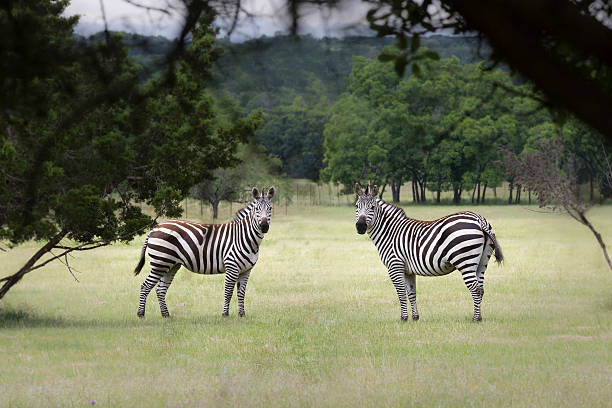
22	318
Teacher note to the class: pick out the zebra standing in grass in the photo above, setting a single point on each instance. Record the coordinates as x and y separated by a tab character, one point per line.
407	247
230	248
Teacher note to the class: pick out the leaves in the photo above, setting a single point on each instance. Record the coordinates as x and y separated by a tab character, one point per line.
83	142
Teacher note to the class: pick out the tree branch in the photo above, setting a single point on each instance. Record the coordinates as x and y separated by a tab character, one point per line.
54	243
520	44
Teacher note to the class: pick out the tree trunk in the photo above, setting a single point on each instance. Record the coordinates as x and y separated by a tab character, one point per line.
484	190
529	193
473	193
382	191
494	192
586	222
456	195
511	186
423	197
395	190
438	196
215	206
517	198
13	279
478	196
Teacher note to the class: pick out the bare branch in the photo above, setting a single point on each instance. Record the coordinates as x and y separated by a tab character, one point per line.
546	172
148	7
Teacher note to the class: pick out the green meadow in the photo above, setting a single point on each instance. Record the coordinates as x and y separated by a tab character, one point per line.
322	324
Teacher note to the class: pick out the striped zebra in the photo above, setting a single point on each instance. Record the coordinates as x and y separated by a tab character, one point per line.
408	247
230	248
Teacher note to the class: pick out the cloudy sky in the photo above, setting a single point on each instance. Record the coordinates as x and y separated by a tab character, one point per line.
271	18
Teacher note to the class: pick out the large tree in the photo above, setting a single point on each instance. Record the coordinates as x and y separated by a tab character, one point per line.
83	144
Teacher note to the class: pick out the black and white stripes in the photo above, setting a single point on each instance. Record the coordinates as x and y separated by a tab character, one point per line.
408	247
231	248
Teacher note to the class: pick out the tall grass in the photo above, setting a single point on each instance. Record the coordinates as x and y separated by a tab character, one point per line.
322	325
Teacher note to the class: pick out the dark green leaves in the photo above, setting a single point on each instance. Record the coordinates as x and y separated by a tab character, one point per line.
83	143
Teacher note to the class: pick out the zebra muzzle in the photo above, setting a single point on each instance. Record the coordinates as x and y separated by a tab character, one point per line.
264	226
361	225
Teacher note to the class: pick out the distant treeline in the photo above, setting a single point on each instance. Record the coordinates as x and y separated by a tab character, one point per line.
335	112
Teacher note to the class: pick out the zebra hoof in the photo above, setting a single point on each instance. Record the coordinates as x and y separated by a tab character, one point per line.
404	319
140	314
241	314
225	314
415	318
477	318
165	315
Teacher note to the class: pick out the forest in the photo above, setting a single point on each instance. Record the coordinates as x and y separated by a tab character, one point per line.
335	111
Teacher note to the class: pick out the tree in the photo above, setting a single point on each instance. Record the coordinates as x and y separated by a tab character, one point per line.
294	133
548	172
83	144
350	152
228	184
404	120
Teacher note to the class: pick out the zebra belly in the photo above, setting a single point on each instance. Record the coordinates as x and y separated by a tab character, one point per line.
443	269
210	270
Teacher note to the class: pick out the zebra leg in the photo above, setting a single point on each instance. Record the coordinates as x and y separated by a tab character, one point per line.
470	279
411	289
162	288
482	265
243	278
231	276
396	272
145	288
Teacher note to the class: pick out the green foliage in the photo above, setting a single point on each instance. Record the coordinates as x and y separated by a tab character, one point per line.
83	143
294	133
442	129
254	169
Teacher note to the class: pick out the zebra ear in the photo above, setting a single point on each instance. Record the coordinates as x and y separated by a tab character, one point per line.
368	189
271	192
374	190
358	189
255	193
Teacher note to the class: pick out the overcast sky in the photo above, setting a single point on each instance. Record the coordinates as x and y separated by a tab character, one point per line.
124	16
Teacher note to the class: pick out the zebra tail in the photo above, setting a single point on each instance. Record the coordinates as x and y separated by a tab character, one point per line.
499	256
142	258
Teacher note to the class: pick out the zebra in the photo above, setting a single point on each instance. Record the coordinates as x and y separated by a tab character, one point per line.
409	247
231	248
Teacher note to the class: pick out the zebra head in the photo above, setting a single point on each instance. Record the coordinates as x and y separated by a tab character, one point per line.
263	207
367	207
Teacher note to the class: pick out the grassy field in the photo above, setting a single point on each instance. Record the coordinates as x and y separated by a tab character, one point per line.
322	325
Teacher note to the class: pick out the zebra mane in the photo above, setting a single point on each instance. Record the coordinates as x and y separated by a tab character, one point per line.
243	212
393	210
